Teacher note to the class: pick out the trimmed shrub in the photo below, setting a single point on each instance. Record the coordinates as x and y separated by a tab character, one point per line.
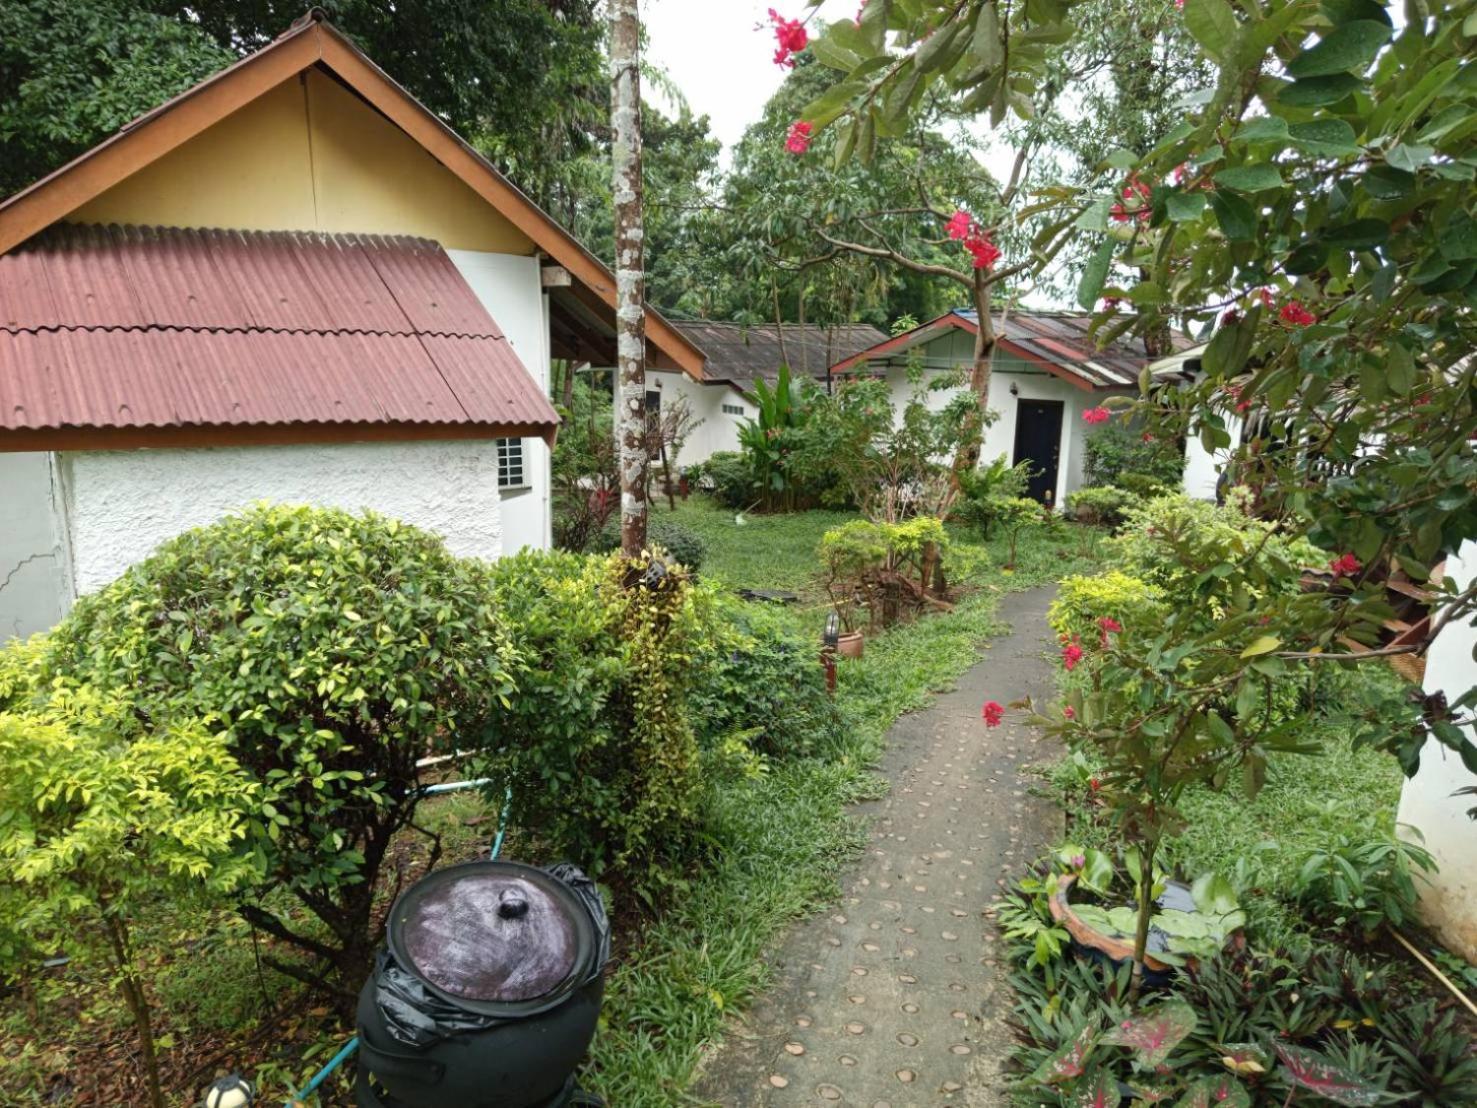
730	478
758	682
682	543
1102	505
596	743
333	650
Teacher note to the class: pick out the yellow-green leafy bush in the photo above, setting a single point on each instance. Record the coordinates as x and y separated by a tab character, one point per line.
1082	601
332	650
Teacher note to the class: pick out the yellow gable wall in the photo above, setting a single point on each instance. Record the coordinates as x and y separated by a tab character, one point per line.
308	156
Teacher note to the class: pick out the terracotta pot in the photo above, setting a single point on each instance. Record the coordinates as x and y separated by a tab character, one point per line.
1088	937
849	644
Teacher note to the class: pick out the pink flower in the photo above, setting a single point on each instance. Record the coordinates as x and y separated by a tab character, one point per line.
1069	712
960	224
1071	655
1147	436
1179	5
1345	565
1134	205
1108	623
983	252
992	713
1295	314
1078	861
798	141
791	36
1096	415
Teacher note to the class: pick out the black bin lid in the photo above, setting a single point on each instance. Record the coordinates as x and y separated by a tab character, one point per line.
494	937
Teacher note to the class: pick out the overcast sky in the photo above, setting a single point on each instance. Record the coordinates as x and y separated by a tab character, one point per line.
714	54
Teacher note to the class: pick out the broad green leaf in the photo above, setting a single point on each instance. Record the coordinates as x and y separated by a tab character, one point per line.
1408	156
1263	644
829	52
1317	92
1236	217
1213	25
1264	128
1329	137
1250	178
985	46
1185	206
1348	46
1069	1062
1095	275
1360	234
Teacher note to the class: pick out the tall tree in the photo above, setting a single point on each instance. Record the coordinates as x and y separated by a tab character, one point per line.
630	276
520	79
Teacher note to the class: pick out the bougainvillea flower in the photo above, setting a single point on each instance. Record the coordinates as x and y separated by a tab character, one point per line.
1096	415
1071	655
791	36
1345	565
992	713
1295	314
798	141
960	224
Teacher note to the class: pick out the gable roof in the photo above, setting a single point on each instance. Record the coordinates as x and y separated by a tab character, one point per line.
313	41
740	353
129	336
1060	343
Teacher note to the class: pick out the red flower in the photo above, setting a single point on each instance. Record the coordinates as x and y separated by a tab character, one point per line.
983	252
1345	565
798	141
1230	316
1179	4
1094	784
1135	193
992	713
1147	436
1265	295
1071	655
1295	314
791	36
1069	712
960	224
1096	415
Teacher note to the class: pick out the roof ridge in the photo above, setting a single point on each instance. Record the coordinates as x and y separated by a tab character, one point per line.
254	329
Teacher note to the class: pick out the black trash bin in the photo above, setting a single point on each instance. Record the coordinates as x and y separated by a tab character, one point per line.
489	991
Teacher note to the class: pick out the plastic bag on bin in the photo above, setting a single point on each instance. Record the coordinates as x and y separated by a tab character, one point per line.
418	1017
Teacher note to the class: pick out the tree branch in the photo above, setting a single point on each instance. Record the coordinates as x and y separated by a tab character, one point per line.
902	260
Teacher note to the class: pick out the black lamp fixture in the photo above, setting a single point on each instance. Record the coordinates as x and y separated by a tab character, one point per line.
1014	389
832	634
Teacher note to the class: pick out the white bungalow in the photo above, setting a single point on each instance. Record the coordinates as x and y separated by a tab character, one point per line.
291	282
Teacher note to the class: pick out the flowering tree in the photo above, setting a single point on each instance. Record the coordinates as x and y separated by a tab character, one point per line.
1312	219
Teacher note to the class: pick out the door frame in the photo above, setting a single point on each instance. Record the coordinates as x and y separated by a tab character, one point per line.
1055	470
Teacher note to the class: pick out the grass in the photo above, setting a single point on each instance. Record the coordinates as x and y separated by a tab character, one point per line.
785	836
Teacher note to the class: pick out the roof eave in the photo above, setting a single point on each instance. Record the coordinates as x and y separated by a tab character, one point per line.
311	41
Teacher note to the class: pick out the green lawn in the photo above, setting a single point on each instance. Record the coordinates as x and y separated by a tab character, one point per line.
785	836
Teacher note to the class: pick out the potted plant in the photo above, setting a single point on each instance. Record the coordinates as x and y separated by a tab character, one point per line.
1189	921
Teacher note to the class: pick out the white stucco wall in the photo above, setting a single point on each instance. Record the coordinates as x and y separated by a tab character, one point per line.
32	565
1449	899
119	505
510	289
955	348
1202	467
719	429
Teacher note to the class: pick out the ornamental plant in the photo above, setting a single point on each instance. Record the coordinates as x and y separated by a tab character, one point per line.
102	814
331	652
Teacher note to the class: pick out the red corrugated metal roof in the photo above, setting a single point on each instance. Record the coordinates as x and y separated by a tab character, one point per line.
146	327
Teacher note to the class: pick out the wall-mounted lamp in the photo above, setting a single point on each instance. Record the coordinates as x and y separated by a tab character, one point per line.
1014	389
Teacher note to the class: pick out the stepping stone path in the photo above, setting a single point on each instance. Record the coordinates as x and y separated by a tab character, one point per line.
898	995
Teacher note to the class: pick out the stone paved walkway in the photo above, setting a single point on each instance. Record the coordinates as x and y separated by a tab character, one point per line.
894	997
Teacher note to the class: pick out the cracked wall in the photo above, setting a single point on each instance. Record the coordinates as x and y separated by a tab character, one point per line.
32	582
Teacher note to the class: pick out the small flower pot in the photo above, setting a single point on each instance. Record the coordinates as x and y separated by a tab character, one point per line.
849	644
1091	943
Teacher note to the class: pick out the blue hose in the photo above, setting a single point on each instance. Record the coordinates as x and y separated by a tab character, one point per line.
497	848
